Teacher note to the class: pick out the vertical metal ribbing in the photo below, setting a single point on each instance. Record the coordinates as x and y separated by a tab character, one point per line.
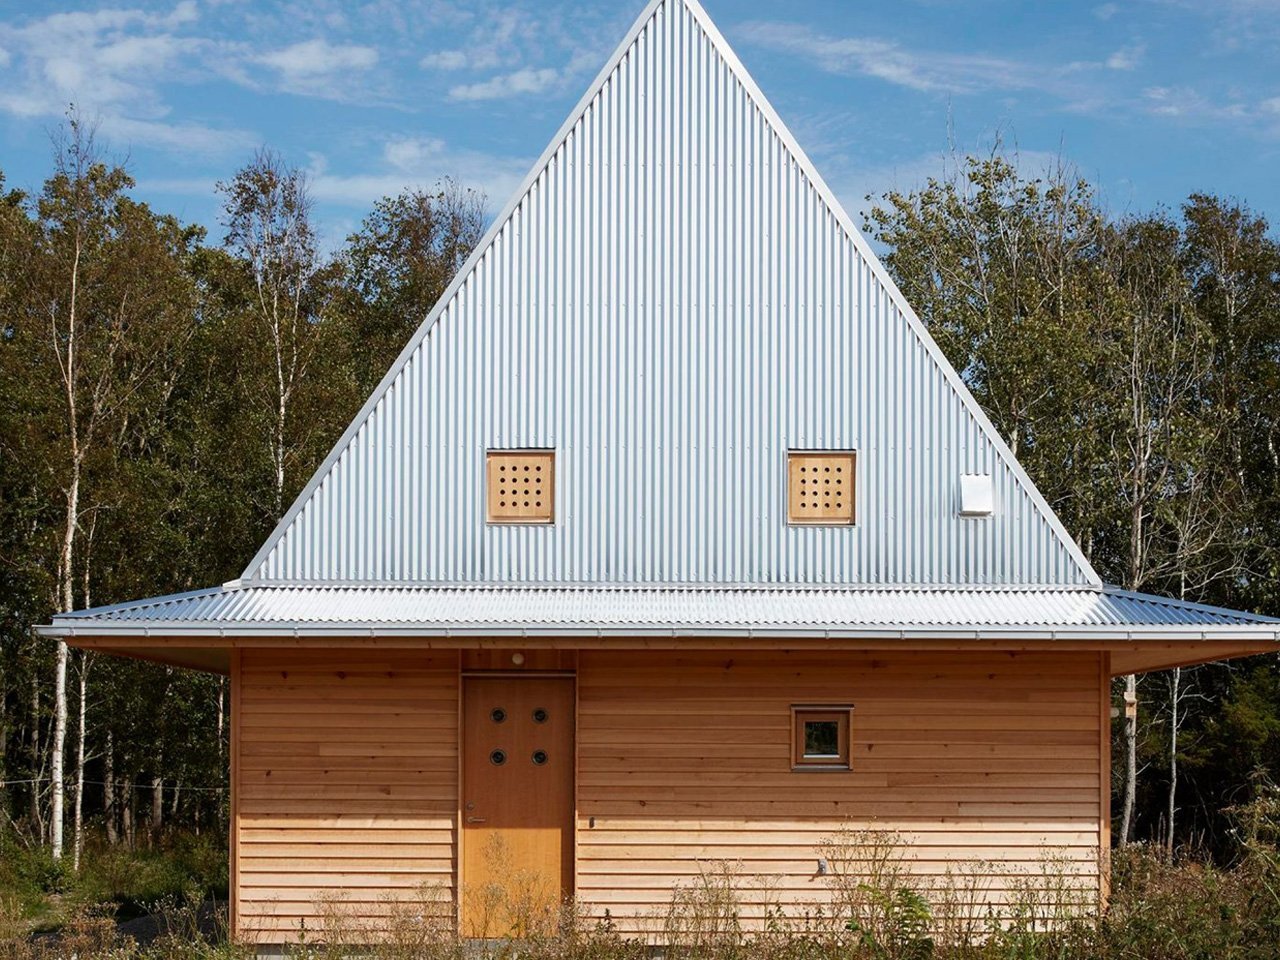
671	305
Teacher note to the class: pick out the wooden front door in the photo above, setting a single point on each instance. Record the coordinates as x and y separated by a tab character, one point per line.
517	803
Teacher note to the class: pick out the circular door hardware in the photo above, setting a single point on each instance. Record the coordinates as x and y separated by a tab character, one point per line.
539	757
497	714
498	758
539	715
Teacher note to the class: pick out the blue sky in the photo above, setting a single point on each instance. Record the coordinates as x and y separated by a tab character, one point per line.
1151	99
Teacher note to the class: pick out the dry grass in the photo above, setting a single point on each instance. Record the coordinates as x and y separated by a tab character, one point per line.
875	907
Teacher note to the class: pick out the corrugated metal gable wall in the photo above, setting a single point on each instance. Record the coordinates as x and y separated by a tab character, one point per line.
671	305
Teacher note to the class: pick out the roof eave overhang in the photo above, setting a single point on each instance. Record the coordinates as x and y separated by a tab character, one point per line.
68	629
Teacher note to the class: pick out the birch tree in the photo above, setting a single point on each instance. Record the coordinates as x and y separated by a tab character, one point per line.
1233	265
75	210
1154	438
267	215
108	290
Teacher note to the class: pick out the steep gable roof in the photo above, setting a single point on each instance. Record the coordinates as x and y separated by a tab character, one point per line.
672	300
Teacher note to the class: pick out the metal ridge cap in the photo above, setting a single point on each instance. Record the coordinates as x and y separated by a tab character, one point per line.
710	586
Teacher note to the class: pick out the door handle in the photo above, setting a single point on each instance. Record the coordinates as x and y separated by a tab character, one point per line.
476	820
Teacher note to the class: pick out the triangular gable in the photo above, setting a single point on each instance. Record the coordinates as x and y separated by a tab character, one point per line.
672	300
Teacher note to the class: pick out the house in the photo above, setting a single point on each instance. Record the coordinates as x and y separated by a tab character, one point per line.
671	537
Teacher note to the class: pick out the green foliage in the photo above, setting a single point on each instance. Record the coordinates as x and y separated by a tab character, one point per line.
185	869
1193	910
904	934
28	873
398	264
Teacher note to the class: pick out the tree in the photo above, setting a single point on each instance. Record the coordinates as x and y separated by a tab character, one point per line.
1233	266
1165	348
398	264
267	215
1007	273
104	313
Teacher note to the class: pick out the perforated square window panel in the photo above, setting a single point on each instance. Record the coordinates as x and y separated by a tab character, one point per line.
521	486
820	488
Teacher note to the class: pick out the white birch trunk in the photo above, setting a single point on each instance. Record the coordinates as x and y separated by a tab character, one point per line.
1174	720
157	804
109	811
33	742
1131	758
78	815
56	812
66	558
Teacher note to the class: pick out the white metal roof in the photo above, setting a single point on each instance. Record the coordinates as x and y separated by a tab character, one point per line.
618	610
672	300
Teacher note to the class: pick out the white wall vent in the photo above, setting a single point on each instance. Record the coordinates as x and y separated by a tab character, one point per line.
977	497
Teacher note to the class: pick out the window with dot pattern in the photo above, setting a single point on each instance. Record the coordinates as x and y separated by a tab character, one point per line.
820	487
521	486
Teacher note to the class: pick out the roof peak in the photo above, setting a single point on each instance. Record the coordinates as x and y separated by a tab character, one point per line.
672	216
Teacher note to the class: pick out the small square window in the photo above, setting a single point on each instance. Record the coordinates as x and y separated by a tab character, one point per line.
820	488
820	740
521	486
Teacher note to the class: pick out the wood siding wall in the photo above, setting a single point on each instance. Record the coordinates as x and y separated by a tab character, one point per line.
348	784
347	773
684	760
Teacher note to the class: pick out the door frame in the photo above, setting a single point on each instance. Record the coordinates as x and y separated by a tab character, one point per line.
458	832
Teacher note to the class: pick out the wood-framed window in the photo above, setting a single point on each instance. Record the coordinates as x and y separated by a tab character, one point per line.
521	486
820	736
821	487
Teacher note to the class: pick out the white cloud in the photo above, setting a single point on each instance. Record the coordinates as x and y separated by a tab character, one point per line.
517	83
192	139
1127	58
112	64
4	57
304	62
99	59
1106	11
116	65
926	71
1083	87
513	48
413	154
496	42
444	60
418	162
184	12
1185	103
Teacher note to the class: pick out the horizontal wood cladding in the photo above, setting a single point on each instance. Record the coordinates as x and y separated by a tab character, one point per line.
347	765
348	785
982	762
